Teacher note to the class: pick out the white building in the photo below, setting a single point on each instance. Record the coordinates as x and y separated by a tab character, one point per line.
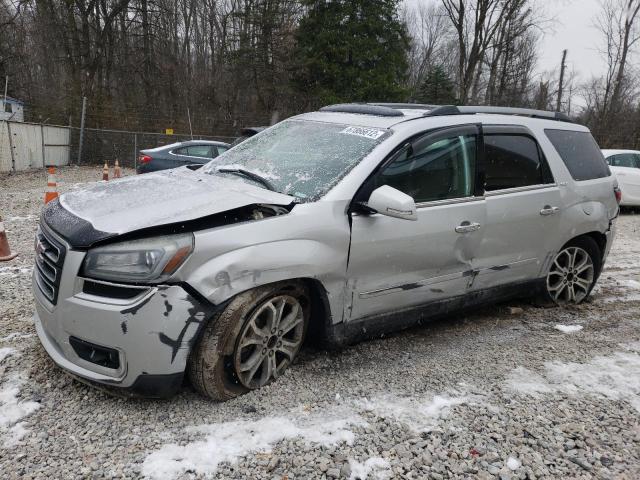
11	109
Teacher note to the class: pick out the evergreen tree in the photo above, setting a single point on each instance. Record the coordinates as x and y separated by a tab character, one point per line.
437	88
351	50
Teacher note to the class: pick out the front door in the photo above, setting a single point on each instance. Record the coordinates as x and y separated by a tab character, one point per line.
396	263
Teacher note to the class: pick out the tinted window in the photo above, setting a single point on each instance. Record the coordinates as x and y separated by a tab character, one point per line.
512	161
436	171
625	160
221	149
199	151
580	153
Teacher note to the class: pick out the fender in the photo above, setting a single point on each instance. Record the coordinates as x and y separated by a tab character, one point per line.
234	272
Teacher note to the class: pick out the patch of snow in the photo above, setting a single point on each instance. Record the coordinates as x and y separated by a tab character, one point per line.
513	463
417	413
229	441
13	410
377	467
14	271
568	328
615	376
5	352
525	381
15	336
19	218
15	434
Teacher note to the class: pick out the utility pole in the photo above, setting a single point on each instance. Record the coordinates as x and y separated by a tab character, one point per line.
563	66
6	85
84	108
189	116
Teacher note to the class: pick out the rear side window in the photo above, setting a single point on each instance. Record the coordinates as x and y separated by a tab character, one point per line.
513	161
629	160
580	153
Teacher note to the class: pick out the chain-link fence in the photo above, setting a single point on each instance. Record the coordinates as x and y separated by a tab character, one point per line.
100	146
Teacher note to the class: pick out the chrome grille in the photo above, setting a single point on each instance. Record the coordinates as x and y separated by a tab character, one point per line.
49	260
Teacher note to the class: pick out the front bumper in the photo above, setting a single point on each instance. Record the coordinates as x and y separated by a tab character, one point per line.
148	335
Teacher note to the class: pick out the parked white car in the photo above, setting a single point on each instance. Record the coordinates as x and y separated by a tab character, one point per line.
626	165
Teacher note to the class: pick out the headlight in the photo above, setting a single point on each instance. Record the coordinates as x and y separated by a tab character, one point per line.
147	260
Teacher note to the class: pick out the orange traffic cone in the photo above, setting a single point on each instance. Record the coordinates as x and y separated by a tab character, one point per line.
116	170
105	172
5	251
51	192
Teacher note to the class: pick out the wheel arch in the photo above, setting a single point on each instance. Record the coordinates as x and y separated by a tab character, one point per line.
599	238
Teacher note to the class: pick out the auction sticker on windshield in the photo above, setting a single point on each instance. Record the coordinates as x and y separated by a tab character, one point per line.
371	133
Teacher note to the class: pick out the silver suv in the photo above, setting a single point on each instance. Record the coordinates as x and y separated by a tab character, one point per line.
334	226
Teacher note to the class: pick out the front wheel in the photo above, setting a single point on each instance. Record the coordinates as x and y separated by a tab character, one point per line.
574	271
252	342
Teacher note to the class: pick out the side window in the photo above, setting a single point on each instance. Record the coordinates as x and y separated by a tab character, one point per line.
199	151
221	149
435	170
580	153
181	151
513	161
624	160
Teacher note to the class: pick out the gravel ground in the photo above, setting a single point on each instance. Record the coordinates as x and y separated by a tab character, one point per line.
512	391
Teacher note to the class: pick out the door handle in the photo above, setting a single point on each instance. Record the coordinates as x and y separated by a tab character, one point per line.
467	227
549	210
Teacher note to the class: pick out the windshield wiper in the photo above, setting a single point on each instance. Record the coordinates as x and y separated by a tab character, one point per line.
253	176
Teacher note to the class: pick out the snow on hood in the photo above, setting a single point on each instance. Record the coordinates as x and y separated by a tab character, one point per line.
162	198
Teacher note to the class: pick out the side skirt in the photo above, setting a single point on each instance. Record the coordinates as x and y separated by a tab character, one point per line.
373	326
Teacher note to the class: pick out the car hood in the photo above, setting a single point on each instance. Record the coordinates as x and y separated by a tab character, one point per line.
163	198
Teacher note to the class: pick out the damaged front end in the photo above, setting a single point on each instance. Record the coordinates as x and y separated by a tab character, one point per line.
108	308
136	337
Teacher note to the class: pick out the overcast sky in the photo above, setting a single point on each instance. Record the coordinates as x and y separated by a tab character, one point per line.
571	28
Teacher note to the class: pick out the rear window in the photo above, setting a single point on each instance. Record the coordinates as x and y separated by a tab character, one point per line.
580	154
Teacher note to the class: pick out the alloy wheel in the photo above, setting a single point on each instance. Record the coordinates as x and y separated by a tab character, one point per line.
571	276
269	341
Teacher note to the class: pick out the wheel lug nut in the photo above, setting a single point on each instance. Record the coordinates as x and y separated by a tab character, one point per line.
273	330
279	332
264	350
279	344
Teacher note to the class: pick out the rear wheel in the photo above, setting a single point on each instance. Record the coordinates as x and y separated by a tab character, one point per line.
574	271
252	342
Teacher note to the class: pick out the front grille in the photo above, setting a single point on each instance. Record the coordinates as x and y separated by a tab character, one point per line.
49	260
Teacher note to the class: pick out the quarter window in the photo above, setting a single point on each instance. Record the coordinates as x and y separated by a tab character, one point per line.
435	171
580	153
513	161
625	160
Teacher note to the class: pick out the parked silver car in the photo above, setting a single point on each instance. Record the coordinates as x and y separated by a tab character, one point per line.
333	225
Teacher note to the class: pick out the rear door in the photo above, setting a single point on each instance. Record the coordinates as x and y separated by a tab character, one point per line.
523	208
395	263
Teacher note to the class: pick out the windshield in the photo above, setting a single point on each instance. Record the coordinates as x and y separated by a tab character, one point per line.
299	157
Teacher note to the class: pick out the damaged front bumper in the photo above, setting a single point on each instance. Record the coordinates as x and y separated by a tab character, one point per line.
133	337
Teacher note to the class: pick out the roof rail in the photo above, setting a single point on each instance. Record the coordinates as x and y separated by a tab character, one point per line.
363	109
523	112
406	106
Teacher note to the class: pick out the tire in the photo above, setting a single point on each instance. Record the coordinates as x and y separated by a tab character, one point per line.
222	365
573	273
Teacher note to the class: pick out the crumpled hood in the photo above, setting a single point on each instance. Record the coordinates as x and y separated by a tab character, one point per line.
162	198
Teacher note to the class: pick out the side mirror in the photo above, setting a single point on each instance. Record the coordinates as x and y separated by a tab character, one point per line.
388	201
